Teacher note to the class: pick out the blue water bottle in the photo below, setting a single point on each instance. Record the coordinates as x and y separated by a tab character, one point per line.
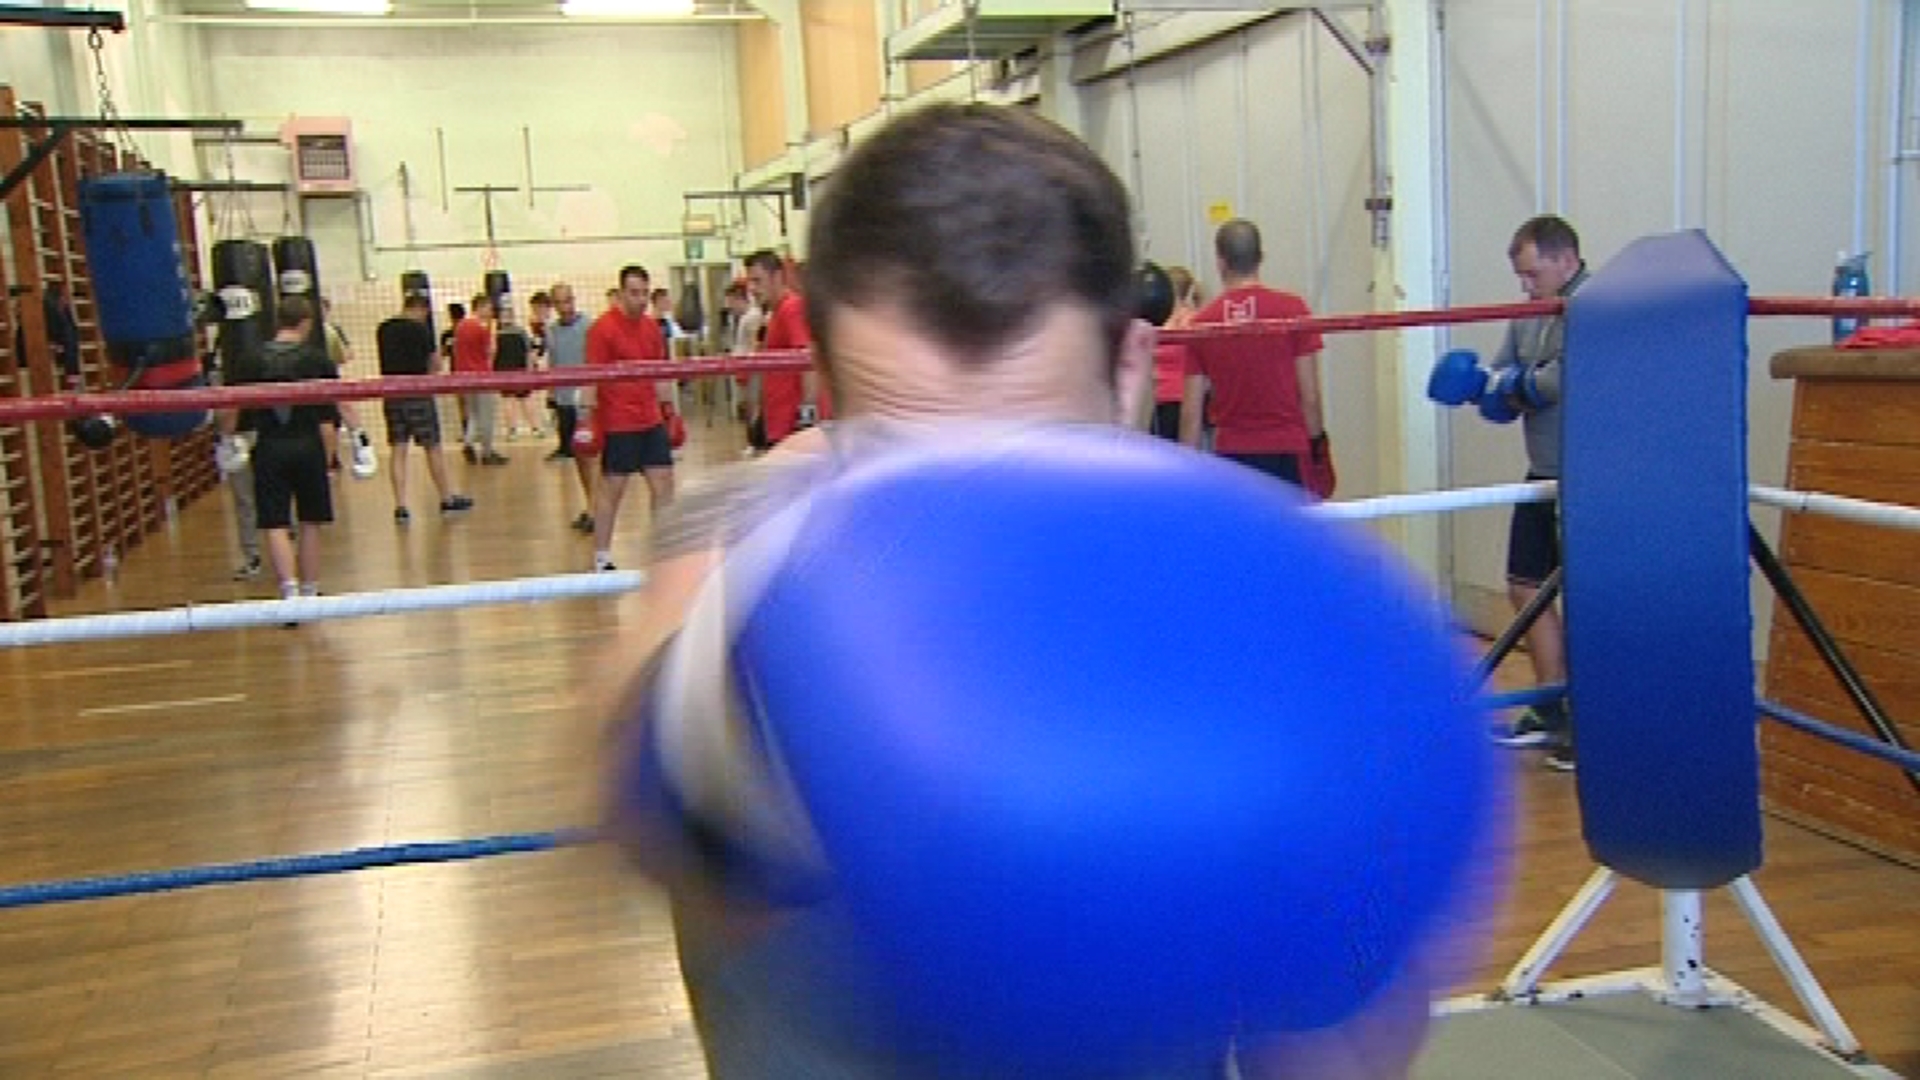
1849	279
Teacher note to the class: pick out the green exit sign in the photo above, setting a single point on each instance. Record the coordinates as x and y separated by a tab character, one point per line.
696	250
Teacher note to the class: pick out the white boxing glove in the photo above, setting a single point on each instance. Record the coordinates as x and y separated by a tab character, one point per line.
230	454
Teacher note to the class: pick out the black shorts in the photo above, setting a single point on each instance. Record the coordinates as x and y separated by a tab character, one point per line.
289	473
1166	420
1279	466
628	452
414	420
1533	541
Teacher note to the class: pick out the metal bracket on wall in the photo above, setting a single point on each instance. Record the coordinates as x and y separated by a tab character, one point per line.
779	201
59	127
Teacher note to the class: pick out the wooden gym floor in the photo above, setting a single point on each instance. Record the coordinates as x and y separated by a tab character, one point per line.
149	754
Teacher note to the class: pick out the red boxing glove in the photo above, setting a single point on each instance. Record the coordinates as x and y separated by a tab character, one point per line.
676	426
586	440
1316	472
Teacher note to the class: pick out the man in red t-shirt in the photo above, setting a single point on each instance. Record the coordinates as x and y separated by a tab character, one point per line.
634	433
473	345
784	394
1266	389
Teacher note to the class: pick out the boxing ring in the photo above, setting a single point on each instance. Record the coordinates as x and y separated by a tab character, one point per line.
1644	780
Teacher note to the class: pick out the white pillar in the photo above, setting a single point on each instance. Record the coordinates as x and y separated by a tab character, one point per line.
1408	273
1059	97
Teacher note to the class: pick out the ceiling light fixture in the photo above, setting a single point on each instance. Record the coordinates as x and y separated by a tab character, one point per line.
324	7
627	9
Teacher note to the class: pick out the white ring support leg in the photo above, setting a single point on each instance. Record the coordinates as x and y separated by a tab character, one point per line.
1524	980
1683	962
1787	958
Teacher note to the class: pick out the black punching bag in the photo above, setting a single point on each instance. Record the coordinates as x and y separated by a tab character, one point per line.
243	280
298	270
415	283
691	312
498	287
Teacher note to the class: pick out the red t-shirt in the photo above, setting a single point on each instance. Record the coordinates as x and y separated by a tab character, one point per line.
1256	385
631	404
472	346
1169	372
782	392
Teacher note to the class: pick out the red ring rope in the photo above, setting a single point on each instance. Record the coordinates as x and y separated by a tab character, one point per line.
68	405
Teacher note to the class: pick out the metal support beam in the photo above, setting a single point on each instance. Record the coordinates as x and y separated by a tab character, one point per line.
1823	642
778	204
57	18
132	123
229	186
59	127
1543	598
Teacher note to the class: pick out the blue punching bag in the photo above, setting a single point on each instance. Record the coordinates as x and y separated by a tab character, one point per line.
1654	519
141	292
1110	751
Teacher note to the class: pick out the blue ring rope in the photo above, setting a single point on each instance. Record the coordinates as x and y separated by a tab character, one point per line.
340	862
1852	740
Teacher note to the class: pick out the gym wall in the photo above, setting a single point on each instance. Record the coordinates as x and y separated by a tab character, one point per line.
1267	123
638	113
38	64
1579	109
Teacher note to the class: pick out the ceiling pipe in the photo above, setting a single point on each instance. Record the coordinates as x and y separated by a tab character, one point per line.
407	22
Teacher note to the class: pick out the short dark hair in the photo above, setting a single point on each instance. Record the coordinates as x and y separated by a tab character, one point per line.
292	311
1549	234
417	300
768	260
540	299
632	270
974	219
456	310
480	299
1237	244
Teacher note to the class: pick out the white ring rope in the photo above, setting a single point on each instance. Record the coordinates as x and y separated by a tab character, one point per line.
304	609
1860	510
250	613
1436	502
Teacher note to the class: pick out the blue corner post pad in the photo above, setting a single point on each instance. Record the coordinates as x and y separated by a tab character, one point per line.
1654	529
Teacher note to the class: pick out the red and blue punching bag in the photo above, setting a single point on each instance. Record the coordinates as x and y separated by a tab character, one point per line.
141	292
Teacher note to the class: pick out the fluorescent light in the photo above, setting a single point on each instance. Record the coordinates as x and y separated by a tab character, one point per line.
324	7
627	9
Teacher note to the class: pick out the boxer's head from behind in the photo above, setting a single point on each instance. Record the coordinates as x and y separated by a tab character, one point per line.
976	259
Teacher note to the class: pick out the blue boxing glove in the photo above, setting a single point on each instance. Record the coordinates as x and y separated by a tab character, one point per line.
1498	404
1457	379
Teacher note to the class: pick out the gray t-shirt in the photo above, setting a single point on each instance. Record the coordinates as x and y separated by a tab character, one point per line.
1541	343
567	347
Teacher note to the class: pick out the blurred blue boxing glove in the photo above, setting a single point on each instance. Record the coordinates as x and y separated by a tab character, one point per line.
1457	379
1499	403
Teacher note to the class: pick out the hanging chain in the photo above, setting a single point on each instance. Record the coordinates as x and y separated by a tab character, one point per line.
1136	160
235	207
109	113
